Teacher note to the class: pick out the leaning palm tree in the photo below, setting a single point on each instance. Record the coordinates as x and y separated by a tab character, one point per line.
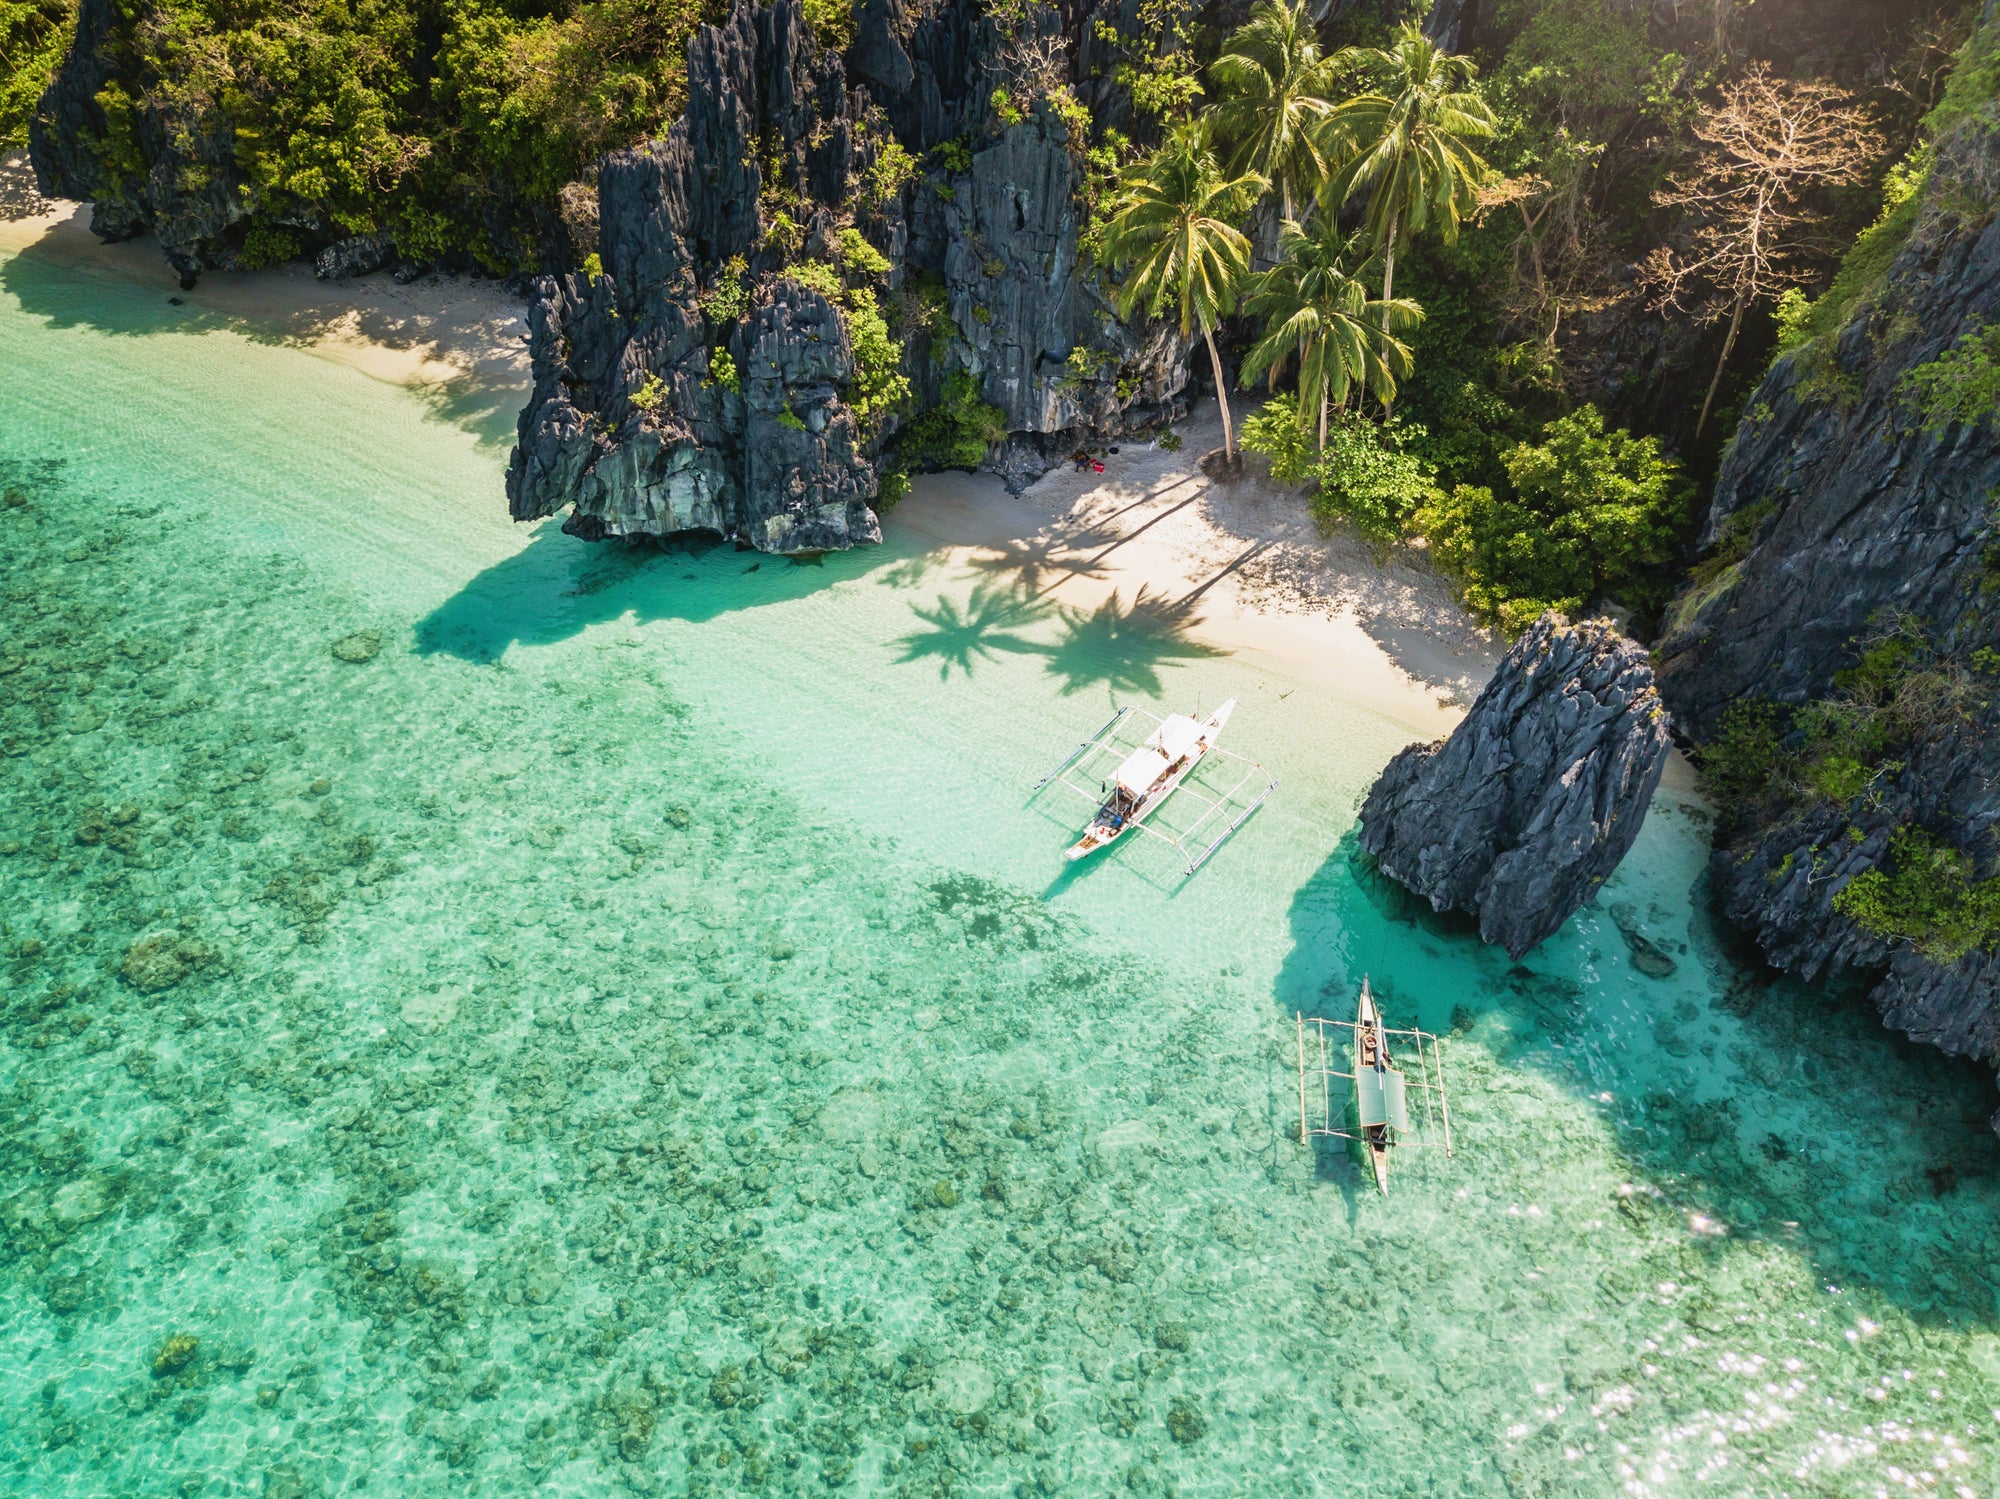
1171	222
1405	146
1273	86
1318	312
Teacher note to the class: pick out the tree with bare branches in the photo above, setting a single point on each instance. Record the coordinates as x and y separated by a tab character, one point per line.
1749	195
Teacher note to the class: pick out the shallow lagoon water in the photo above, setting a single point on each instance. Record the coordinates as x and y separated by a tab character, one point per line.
487	1014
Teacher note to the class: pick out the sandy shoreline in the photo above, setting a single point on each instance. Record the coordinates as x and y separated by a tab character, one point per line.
436	331
1239	565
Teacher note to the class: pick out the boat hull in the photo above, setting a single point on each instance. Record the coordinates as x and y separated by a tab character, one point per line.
1371	1049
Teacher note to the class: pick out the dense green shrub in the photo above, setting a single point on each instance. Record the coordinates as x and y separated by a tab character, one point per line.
1961	385
956	432
1926	896
877	385
1746	755
1900	690
1586	510
33	34
1368	475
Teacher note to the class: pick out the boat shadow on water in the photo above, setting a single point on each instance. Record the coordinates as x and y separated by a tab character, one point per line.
1744	1106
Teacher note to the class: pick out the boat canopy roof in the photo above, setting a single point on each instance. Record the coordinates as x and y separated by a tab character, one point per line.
1380	1096
1176	736
1142	768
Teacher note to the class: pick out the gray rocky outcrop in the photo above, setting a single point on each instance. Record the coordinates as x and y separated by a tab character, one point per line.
1841	507
1528	806
357	255
986	276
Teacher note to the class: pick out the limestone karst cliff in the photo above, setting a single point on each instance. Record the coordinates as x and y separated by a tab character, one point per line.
781	169
1835	654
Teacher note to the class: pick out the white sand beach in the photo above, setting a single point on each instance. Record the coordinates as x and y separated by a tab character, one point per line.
1238	564
435	331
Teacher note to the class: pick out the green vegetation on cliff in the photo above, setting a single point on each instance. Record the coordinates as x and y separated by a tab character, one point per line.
442	124
33	36
1770	764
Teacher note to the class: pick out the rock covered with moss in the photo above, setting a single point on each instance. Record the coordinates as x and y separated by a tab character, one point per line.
1833	655
1523	812
819	249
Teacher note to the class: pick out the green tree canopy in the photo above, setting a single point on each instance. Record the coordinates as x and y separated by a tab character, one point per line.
1273	85
1172	223
1591	509
1405	147
1316	312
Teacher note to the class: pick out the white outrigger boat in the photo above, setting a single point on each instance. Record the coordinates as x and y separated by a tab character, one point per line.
1150	772
1380	1120
1149	776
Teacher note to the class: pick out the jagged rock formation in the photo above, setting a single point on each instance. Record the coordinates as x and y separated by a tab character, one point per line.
1520	815
1839	505
784	464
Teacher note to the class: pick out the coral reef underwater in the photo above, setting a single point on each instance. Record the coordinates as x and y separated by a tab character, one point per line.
425	1076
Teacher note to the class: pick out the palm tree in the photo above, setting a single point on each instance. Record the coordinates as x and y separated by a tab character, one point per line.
1273	85
1317	312
1171	222
1405	146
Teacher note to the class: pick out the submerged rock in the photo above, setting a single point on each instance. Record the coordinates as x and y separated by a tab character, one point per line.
362	645
1521	814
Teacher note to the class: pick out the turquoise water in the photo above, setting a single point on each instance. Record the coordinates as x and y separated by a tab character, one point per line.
491	1015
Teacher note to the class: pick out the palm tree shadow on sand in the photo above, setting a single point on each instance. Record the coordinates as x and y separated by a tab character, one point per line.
1040	564
982	630
1122	646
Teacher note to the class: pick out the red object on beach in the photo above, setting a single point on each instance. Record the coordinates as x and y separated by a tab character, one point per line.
1096	466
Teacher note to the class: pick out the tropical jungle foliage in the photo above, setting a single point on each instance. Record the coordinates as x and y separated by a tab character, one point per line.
438	122
33	34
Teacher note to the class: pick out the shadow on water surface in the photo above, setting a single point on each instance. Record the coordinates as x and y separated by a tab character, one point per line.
958	637
557	587
63	280
1763	1107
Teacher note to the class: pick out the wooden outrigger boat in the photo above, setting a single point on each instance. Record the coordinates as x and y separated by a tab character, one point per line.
1149	772
1379	1121
1379	1092
1149	775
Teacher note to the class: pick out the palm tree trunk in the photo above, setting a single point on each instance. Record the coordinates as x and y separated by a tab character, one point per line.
1388	286
1322	419
1221	395
1728	343
1389	256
